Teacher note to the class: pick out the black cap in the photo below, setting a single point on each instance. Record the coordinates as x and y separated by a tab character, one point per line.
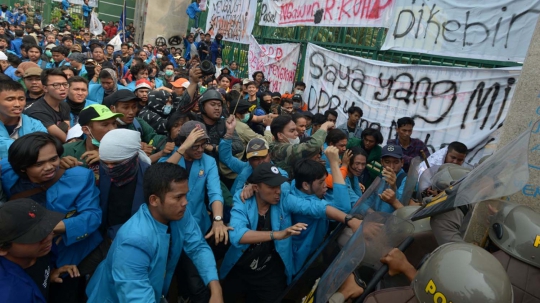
276	95
25	221
268	174
297	97
121	95
243	106
393	151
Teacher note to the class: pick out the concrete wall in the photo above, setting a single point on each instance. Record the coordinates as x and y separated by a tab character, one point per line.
524	112
165	18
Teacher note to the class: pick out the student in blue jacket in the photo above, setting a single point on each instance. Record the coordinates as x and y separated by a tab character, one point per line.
13	123
259	264
395	177
141	261
33	162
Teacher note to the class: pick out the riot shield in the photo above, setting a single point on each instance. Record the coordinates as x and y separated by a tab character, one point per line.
360	207
502	174
424	181
379	233
412	178
479	224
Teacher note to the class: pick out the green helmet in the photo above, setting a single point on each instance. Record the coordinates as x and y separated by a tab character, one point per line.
464	273
406	213
516	230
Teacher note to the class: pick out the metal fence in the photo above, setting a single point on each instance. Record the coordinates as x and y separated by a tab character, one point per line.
355	41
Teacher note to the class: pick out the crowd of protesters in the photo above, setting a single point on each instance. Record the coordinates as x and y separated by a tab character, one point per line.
145	164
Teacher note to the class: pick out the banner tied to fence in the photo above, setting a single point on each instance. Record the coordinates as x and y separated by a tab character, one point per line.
234	19
367	13
494	30
278	62
447	103
91	3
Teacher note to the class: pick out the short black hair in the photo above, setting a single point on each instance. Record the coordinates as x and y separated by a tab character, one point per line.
458	147
308	170
13	60
356	150
103	74
405	121
10	85
318	119
278	124
66	38
24	152
76	79
174	118
51	72
297	116
375	133
256	73
158	178
285	100
299	83
334	136
19	32
29	46
138	68
355	109
139	60
330	112
60	49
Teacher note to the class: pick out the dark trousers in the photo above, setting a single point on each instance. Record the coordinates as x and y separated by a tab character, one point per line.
237	286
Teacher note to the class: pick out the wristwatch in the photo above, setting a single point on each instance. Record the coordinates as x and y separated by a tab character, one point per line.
347	219
218	218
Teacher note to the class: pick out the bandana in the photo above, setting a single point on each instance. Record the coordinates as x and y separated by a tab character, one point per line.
121	144
123	172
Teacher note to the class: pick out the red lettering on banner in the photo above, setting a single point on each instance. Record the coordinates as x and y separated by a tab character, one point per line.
328	9
303	13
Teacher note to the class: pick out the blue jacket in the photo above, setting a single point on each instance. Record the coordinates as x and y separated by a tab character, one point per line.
192	10
75	195
245	216
16	285
16	46
52	64
203	181
10	72
310	239
72	116
65	4
357	131
96	92
214	50
355	192
375	202
29	125
104	188
187	49
138	267
86	10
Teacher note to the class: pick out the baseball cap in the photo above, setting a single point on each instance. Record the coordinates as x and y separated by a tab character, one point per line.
121	95
50	46
268	174
188	127
245	81
32	71
276	95
297	97
3	56
256	147
393	151
25	221
143	83
96	112
180	82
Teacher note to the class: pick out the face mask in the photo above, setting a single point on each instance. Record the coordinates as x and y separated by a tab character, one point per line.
296	105
245	119
294	141
94	141
159	56
169	73
120	121
298	92
48	53
123	172
167	109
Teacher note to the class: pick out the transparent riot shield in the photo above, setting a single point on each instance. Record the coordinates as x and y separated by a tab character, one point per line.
379	233
412	179
361	206
479	223
424	181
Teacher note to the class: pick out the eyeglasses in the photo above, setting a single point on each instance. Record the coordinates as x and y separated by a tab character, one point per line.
58	85
196	147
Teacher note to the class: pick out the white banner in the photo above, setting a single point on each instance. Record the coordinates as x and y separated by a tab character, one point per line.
91	3
278	62
234	19
494	30
367	13
447	103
